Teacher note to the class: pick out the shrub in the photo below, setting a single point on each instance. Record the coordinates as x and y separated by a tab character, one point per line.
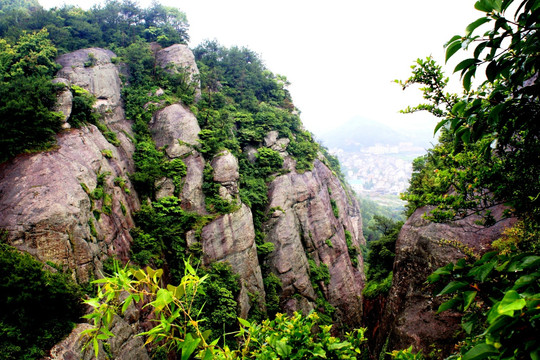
39	307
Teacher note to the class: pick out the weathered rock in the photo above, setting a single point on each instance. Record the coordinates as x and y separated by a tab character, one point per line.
64	100
179	58
305	229
99	76
47	212
226	173
176	128
273	141
125	345
225	167
410	316
192	195
93	70
165	188
231	238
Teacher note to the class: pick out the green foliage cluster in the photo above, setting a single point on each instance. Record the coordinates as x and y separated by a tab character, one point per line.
488	155
500	297
160	234
81	107
352	250
491	133
242	101
115	23
335	209
179	330
370	208
320	277
380	259
27	95
38	307
214	202
217	299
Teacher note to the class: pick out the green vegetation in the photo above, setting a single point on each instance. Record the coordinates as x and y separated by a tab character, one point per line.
179	331
39	305
27	94
498	295
488	155
380	257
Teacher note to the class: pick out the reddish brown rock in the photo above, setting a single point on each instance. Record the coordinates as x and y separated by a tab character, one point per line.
231	238
304	226
410	315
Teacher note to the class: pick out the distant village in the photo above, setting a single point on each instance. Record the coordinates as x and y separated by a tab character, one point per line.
379	170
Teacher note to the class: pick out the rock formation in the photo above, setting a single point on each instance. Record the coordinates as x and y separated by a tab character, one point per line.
73	205
304	226
46	198
410	314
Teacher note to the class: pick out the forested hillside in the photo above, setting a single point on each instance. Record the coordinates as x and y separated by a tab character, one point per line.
163	202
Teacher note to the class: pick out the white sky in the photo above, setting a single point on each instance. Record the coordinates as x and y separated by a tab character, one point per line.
341	56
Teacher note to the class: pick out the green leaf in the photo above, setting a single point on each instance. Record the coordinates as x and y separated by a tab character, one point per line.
481	273
452	48
339	345
492	71
468	326
484	5
472	26
512	301
525	280
467	78
453	286
468	298
189	346
244	322
283	349
439	125
530	261
96	347
480	351
447	305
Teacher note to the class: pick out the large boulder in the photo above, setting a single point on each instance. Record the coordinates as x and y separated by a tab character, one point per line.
179	58
231	238
47	207
47	200
176	128
422	246
93	70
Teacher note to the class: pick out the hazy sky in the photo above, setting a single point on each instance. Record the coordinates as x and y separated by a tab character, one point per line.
340	56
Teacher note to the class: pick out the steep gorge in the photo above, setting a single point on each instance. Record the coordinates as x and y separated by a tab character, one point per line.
50	208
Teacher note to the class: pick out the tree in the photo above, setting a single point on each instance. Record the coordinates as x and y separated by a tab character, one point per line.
495	126
27	95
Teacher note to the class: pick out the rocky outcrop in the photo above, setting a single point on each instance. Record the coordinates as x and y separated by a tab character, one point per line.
178	58
410	315
175	128
231	238
225	172
47	200
73	205
124	345
312	212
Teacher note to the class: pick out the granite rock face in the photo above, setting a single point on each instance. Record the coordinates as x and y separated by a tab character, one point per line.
51	208
179	58
410	315
46	198
305	226
231	238
176	128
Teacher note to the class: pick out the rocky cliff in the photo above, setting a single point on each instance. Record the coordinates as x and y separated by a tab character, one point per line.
408	315
74	204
